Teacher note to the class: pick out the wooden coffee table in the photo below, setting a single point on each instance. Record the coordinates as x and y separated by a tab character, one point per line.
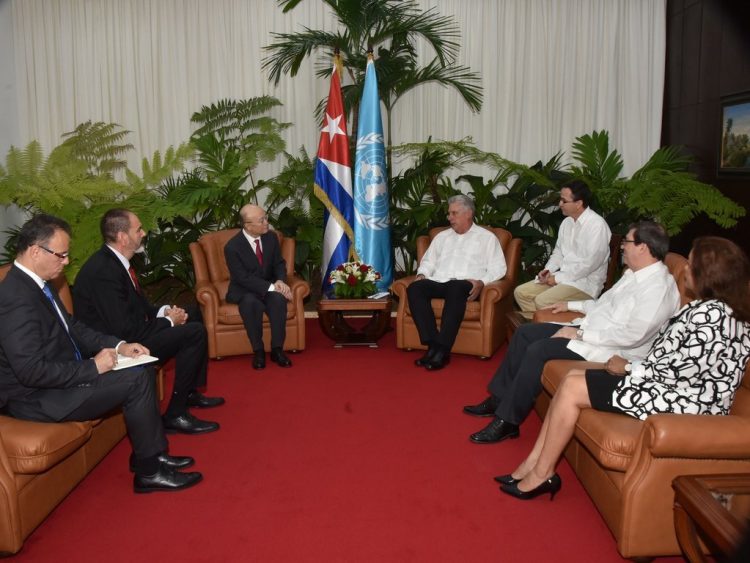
714	508
334	316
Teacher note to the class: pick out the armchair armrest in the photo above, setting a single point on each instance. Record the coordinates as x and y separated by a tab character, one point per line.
495	291
547	316
207	295
697	436
398	288
300	288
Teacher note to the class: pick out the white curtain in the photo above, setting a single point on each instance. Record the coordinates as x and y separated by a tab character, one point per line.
551	70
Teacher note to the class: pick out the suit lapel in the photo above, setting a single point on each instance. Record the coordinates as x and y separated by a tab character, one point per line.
39	294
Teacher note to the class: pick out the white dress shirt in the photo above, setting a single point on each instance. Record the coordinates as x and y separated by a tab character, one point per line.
581	253
473	255
625	320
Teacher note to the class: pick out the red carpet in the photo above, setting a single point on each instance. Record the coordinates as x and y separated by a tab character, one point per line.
351	455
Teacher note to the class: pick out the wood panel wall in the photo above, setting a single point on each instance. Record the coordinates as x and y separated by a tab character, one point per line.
708	56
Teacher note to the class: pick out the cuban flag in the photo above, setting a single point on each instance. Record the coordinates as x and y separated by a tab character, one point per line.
372	226
333	183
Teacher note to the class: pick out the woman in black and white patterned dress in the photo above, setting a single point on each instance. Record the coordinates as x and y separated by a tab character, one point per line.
695	366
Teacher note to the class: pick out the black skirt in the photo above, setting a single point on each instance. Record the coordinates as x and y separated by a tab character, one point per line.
601	386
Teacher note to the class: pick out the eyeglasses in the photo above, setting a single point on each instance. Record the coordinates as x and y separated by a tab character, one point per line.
259	220
567	200
624	241
60	255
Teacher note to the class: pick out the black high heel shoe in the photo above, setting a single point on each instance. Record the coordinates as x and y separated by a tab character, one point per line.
551	486
506	479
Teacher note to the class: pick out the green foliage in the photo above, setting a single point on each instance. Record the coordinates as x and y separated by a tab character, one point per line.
76	182
391	28
100	145
662	189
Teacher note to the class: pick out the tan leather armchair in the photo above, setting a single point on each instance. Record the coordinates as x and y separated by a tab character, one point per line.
627	465
226	333
483	329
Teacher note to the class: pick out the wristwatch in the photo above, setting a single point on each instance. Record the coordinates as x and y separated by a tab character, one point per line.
579	334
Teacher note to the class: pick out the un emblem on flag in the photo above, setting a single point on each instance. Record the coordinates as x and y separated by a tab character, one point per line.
371	195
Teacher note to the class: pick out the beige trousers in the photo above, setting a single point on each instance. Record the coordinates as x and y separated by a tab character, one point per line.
531	296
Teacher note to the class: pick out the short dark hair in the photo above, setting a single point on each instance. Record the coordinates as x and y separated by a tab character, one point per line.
721	270
39	230
653	235
580	191
114	221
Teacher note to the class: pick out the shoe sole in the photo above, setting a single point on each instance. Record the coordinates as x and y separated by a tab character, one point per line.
482	415
204	406
509	436
178	431
143	491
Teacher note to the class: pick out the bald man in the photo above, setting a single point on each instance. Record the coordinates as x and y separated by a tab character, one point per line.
257	284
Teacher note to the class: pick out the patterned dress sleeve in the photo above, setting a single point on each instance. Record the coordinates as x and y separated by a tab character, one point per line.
694	366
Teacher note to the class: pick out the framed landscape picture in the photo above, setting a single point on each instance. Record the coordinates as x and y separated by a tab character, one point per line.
734	152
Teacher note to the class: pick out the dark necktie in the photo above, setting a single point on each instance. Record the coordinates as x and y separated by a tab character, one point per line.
258	251
48	293
133	277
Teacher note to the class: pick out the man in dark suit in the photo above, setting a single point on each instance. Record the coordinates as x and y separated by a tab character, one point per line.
53	368
108	297
258	284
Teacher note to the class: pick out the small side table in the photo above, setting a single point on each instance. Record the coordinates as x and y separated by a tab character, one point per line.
716	507
333	313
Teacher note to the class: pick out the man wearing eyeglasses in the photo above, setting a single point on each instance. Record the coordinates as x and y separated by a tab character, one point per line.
257	284
577	268
108	297
624	321
54	368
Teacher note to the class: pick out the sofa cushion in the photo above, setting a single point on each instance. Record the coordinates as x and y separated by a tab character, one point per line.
34	447
610	438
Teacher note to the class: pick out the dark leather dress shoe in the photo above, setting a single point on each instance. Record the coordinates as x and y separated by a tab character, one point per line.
485	408
421	362
438	361
171	461
496	431
186	423
278	356
165	479
199	400
259	360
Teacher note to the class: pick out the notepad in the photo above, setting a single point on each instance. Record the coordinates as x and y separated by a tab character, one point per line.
124	362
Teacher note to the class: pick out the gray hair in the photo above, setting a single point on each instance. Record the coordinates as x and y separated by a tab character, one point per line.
464	201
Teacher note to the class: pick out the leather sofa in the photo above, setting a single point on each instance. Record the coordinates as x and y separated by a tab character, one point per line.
484	328
226	333
627	465
40	463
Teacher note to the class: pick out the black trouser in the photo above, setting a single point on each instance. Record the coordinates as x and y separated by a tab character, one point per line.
455	293
252	307
132	389
518	380
188	345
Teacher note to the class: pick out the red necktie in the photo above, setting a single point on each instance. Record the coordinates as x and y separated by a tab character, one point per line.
258	251
133	277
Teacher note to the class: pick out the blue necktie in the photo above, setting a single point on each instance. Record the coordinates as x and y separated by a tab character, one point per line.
48	293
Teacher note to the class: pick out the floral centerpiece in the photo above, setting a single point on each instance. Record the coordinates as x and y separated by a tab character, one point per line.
354	280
